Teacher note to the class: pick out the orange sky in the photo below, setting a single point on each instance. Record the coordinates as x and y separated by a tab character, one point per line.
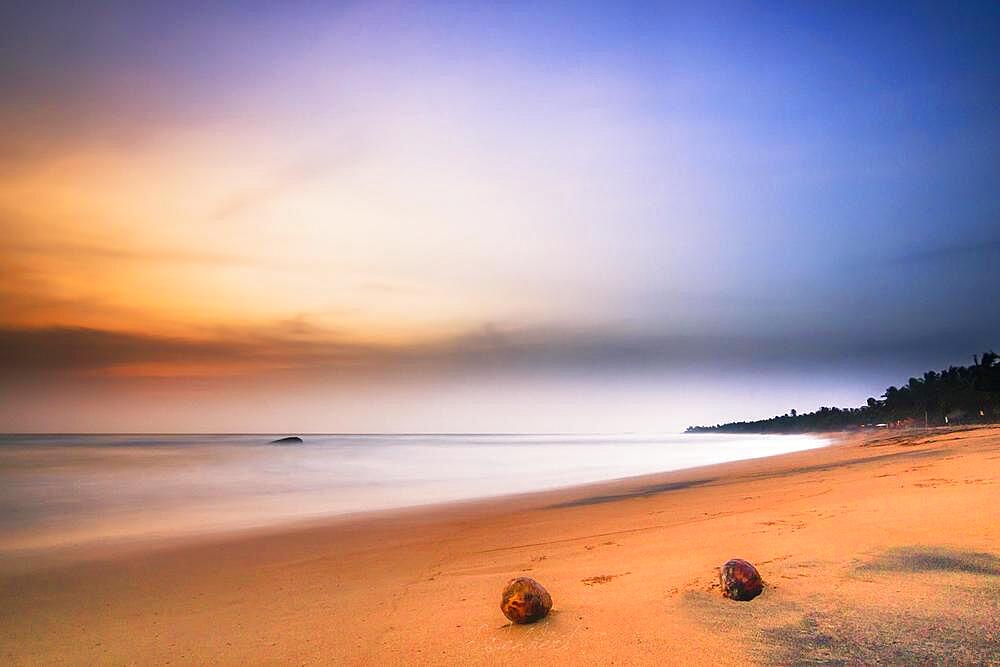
180	232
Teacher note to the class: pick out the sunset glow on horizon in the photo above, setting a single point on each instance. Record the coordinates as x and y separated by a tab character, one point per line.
375	216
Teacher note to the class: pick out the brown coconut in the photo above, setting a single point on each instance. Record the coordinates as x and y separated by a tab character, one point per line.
525	600
740	580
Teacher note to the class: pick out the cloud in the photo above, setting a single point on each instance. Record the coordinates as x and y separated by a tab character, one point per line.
307	170
75	349
70	250
298	349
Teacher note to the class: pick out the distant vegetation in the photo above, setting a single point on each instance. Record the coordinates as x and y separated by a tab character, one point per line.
958	395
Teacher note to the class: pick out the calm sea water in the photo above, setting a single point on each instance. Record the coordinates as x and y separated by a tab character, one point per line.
67	489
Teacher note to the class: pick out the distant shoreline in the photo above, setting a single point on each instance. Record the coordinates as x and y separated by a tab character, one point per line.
957	395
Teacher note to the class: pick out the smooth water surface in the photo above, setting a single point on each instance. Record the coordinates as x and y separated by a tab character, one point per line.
66	489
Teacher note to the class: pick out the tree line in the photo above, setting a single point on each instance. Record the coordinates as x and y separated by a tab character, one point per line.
957	395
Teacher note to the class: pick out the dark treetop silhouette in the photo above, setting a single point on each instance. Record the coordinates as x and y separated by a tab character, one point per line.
958	395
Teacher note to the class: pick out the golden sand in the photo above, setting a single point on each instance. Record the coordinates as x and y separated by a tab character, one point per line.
885	548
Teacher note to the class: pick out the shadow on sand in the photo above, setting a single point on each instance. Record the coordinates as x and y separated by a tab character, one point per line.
909	634
934	559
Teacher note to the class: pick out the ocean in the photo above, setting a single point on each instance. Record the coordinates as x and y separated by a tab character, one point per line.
60	490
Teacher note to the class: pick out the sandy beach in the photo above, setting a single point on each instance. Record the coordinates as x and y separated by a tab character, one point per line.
877	548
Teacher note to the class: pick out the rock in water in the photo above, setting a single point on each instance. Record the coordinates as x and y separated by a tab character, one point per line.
740	580
525	600
290	440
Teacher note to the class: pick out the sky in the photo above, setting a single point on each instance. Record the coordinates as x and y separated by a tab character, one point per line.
448	217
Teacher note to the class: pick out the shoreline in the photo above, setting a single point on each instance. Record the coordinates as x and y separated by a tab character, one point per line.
231	515
629	563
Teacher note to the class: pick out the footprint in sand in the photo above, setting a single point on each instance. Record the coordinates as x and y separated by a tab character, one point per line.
783	524
601	579
776	559
934	482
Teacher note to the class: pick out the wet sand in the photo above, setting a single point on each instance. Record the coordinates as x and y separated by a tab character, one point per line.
880	548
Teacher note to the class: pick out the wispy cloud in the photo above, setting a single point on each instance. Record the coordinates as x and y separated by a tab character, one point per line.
87	251
316	166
